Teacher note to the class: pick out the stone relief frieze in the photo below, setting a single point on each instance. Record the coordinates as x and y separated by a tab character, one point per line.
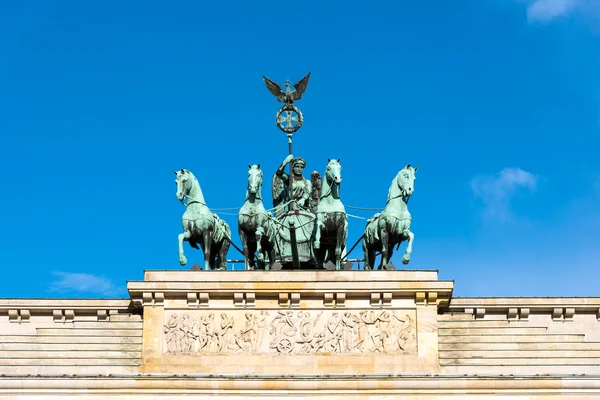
391	332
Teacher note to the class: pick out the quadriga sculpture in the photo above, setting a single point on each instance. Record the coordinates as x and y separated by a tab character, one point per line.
200	225
392	226
331	228
255	226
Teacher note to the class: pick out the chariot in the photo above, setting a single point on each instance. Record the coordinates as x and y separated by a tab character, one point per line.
309	225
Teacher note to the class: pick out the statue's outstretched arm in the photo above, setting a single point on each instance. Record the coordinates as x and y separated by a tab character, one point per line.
280	171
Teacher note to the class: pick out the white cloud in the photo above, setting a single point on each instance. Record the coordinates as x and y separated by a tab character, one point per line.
546	10
496	191
542	11
82	283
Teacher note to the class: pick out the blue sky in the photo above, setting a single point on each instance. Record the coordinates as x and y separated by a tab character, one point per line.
496	101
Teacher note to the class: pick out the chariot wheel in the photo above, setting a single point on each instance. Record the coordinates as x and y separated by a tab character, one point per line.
285	346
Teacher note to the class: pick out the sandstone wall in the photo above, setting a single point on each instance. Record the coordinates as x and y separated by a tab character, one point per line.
493	336
56	337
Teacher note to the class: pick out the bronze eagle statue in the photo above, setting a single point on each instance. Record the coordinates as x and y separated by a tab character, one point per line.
288	96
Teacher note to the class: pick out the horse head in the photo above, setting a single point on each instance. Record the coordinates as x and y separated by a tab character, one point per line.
183	182
255	178
333	172
406	180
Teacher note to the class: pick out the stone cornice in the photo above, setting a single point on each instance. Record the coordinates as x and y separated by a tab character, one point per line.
248	286
49	304
172	384
531	302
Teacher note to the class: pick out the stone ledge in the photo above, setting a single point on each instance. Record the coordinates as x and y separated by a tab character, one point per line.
288	276
76	304
171	384
537	303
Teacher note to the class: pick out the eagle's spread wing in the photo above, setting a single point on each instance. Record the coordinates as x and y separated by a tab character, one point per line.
300	87
274	88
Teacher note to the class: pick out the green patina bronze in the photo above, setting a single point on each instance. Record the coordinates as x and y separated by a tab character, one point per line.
200	225
331	228
255	225
392	226
309	227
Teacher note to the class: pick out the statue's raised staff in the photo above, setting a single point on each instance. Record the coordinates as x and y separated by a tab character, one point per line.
255	226
200	225
331	228
392	226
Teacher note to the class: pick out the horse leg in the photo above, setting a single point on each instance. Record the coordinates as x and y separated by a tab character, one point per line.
271	256
367	253
384	247
406	256
258	236
244	239
182	237
340	243
223	254
251	254
207	235
318	226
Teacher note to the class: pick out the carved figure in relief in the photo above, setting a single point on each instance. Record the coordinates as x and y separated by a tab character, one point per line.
249	333
210	340
407	336
261	327
347	331
172	333
382	333
292	332
363	320
224	334
283	329
189	337
316	343
237	345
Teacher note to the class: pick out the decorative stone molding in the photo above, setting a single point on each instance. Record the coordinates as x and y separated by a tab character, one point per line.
19	316
432	298
289	299
340	299
328	300
479	313
284	300
334	299
63	316
295	300
381	299
192	300
244	299
153	299
563	314
569	313
102	315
